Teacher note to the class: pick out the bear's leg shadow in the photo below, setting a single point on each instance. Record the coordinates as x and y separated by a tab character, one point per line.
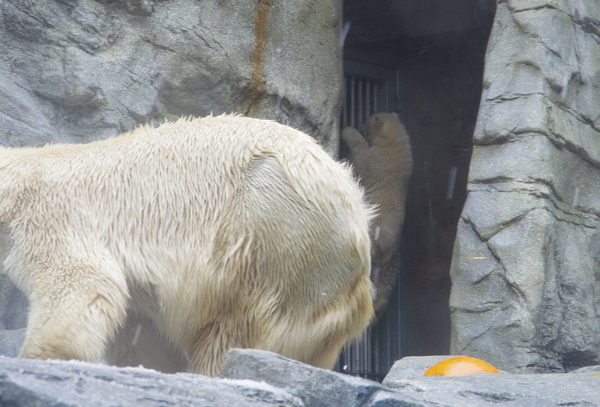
140	343
76	306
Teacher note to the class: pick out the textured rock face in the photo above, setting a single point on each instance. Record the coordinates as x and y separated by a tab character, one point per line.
77	71
259	378
578	388
406	386
73	383
526	265
315	387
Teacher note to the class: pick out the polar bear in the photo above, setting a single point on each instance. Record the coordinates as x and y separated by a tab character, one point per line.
167	246
383	162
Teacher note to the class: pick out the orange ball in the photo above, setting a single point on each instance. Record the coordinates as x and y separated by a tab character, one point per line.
460	366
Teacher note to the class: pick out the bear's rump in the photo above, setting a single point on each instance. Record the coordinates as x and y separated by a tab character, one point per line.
284	245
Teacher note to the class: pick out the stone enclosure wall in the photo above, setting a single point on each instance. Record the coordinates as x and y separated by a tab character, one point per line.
526	263
80	70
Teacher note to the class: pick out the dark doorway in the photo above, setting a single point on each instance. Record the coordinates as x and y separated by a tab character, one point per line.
423	59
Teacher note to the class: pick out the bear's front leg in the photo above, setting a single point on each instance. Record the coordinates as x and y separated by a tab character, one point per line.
75	308
359	148
354	139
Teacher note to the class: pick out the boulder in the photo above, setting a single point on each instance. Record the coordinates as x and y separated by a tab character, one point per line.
559	389
74	383
406	386
316	387
411	367
260	378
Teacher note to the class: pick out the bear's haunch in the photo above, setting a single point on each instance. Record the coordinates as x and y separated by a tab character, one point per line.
179	242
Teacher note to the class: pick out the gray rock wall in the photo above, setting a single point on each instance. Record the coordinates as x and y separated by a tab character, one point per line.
80	70
526	262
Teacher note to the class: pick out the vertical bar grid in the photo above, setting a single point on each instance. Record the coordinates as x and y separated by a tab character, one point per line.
361	100
372	354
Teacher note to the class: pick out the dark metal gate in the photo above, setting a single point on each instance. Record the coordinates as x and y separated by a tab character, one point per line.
369	89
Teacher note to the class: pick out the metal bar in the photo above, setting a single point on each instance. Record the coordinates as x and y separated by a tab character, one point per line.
368	99
352	96
345	108
360	105
375	99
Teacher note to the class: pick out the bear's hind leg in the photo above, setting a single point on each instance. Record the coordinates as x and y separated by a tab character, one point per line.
211	343
326	357
75	308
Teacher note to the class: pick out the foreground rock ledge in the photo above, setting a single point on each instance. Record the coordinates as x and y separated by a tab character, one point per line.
258	378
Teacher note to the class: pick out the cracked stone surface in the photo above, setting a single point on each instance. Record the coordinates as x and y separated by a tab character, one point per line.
75	71
526	264
258	378
74	383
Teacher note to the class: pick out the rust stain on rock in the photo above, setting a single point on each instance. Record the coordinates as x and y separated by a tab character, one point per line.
255	91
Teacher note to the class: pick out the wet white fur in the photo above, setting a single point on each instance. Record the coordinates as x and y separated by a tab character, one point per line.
200	235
